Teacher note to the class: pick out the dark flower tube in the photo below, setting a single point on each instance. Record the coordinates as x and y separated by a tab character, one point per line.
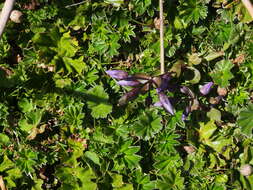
117	74
128	83
131	95
165	81
166	103
205	89
186	112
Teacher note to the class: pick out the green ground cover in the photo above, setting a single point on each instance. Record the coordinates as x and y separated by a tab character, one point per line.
61	123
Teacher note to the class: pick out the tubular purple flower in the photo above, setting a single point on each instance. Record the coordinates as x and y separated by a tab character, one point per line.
131	95
187	91
165	81
117	74
205	89
166	103
128	83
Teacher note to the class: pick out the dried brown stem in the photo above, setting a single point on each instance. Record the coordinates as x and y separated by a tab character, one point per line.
161	38
5	14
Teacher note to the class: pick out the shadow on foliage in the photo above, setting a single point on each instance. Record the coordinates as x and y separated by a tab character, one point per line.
44	83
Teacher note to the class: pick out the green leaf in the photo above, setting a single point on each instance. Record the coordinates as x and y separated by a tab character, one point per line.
6	164
171	180
27	160
11	171
93	157
76	178
73	114
166	141
77	64
144	180
67	46
222	74
30	121
148	124
214	114
193	11
197	75
164	162
98	102
117	180
25	105
129	157
116	3
194	59
4	139
207	130
245	120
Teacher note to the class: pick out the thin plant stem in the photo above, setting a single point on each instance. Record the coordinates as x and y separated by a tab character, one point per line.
248	6
5	14
75	4
161	38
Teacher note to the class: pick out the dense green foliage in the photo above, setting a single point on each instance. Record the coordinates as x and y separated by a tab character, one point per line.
61	127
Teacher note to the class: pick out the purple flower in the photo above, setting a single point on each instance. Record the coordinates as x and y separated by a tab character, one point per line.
187	91
131	95
186	112
117	74
128	83
162	81
164	100
205	89
158	104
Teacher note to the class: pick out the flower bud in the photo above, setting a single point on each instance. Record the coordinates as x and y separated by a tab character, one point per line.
222	91
131	95
16	16
117	74
246	170
205	89
189	149
215	100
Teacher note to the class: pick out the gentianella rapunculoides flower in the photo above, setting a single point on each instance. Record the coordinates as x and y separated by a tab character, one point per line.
142	83
117	74
166	104
205	89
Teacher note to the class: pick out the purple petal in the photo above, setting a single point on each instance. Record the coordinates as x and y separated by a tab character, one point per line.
128	83
205	89
166	103
165	81
162	81
117	74
184	117
186	112
187	91
158	104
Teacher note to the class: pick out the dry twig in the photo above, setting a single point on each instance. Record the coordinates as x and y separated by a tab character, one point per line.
161	38
2	186
5	14
248	6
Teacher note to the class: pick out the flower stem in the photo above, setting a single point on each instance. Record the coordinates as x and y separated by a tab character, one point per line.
5	14
161	38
